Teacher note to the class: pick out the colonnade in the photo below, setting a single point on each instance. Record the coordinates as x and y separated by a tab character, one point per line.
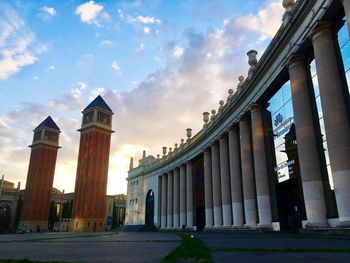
236	177
176	204
249	197
237	168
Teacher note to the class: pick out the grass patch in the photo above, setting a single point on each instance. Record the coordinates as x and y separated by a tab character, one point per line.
283	250
189	248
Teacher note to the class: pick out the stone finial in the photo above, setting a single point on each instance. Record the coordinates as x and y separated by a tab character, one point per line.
144	155
182	142
131	163
288	4
170	150
241	80
158	156
230	93
213	114
252	60
164	150
176	146
221	103
205	117
189	133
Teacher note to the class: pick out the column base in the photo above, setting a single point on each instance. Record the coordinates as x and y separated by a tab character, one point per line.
238	227
88	225
266	227
310	225
208	227
33	226
252	227
343	224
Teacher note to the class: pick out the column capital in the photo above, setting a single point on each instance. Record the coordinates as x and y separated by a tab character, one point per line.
295	60
222	137
244	118
255	107
321	28
207	149
233	129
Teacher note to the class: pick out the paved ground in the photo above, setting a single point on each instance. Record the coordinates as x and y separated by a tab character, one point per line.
151	247
217	241
88	247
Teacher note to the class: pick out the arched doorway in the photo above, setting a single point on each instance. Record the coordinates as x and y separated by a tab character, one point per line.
5	218
149	217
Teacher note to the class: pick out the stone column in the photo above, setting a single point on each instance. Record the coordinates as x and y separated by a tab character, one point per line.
170	201
208	190
215	165
164	202
236	179
176	198
225	182
331	79
260	166
247	173
346	5
189	194
159	205
182	195
309	161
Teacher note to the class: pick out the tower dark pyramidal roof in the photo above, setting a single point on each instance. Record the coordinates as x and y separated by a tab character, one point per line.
98	102
48	123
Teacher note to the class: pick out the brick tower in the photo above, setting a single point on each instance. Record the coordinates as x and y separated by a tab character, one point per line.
89	205
41	170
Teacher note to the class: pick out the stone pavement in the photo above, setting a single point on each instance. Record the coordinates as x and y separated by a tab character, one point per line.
88	247
218	241
151	247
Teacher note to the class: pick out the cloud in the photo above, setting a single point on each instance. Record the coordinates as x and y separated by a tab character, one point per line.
50	68
154	114
82	85
18	46
106	43
47	13
92	13
146	30
178	51
143	20
95	92
265	21
140	49
116	67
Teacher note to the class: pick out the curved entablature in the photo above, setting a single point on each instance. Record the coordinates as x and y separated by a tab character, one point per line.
298	22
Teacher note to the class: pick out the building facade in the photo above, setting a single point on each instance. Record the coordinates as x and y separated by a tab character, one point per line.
276	153
60	209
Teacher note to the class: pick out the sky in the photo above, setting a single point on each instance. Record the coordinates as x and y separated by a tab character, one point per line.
158	64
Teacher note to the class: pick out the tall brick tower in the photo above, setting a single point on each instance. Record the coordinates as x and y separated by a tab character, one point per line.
89	205
41	170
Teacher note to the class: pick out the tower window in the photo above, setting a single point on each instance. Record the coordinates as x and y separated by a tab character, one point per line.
103	118
88	117
37	136
51	136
